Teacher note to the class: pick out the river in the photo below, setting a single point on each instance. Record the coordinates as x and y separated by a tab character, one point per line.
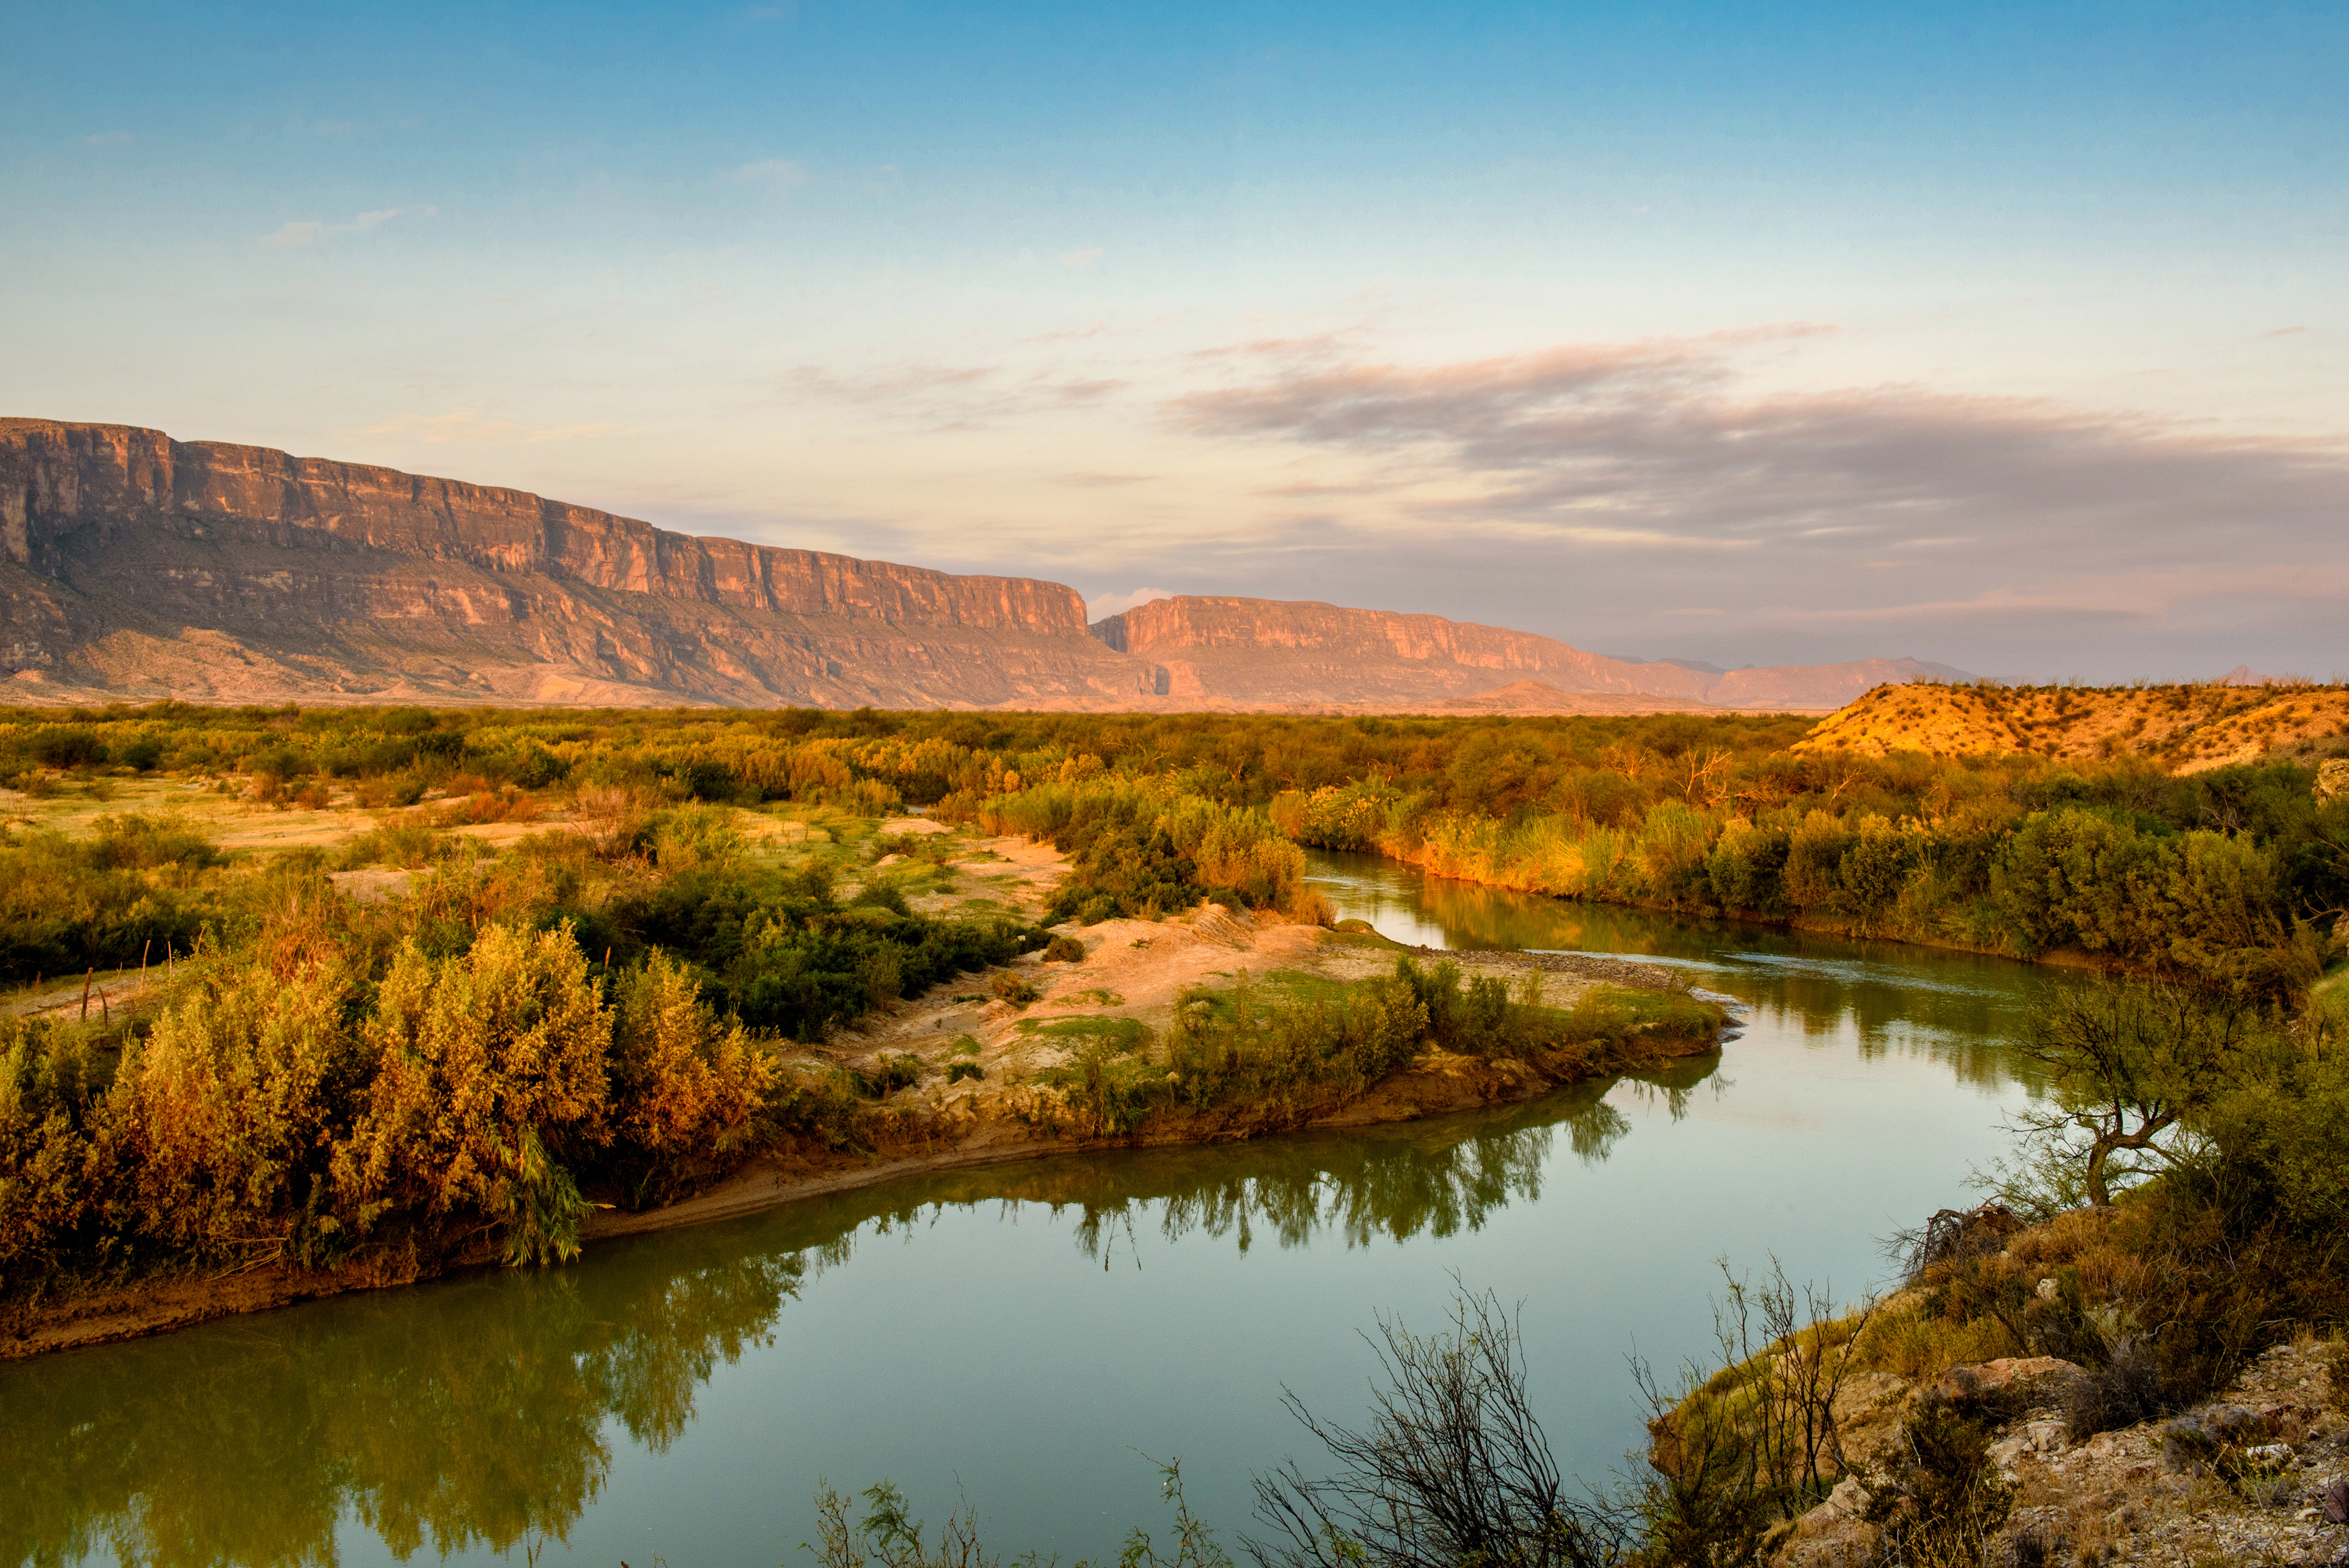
1025	1335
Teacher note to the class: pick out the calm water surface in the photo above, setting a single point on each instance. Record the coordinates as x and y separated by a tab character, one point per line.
1026	1334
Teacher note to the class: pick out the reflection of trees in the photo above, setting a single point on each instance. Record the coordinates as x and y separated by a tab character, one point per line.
478	1410
1434	1178
471	1411
1952	1007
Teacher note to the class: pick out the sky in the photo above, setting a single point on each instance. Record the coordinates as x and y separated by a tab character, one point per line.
2011	337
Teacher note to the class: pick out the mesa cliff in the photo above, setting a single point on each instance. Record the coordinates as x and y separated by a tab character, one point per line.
1252	652
134	566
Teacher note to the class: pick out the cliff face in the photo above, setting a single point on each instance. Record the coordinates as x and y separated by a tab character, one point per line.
133	564
1248	651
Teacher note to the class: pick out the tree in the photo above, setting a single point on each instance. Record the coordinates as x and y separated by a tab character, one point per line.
2127	1070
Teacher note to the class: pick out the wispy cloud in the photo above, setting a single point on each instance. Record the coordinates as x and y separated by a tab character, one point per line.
2141	596
108	138
294	235
1081	260
769	173
955	397
1133	327
908	382
464	427
1314	345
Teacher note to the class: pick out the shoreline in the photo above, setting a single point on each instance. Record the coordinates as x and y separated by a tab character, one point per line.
2053	957
1434	1084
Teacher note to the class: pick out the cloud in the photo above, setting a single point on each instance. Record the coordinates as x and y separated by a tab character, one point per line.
108	138
1658	444
1118	604
769	173
2144	595
910	381
293	234
466	428
1081	260
1102	481
1319	345
1134	327
952	397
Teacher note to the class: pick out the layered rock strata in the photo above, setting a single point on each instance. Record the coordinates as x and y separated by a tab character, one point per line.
134	564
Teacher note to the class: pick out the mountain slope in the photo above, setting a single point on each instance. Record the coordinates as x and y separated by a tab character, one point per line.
1260	652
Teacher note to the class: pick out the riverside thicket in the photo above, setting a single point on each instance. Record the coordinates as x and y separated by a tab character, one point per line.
593	1014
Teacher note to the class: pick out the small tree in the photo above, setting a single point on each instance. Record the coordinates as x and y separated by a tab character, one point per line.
2127	1070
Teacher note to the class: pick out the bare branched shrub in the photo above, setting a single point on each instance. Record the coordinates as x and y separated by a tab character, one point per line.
612	819
1754	1443
1453	1468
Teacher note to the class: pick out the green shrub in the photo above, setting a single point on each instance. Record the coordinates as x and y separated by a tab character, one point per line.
1005	985
483	1060
684	1088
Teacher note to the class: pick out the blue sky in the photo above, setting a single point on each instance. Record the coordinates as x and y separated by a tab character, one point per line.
2011	337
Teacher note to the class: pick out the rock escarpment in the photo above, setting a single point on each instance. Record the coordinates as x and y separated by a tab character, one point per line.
1251	652
134	564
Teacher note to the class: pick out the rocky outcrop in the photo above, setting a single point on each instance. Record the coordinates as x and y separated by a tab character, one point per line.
1260	651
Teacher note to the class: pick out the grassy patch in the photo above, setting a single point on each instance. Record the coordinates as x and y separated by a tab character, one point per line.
1123	1036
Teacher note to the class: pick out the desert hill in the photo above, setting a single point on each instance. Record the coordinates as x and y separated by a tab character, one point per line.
2186	728
135	566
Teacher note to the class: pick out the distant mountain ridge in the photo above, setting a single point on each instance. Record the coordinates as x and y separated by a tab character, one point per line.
134	566
1262	651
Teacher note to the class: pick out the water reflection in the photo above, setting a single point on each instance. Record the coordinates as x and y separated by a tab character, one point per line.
471	1411
1953	1007
480	1414
483	1411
